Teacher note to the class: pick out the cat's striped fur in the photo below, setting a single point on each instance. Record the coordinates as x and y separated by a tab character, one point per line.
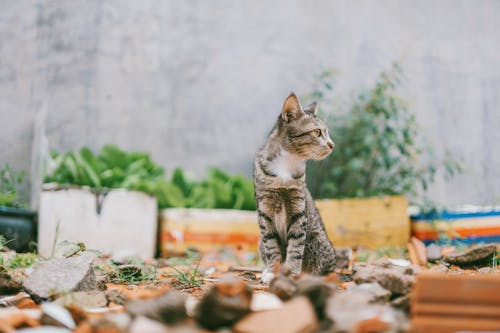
291	230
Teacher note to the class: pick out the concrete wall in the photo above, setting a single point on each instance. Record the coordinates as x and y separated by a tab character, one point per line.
200	83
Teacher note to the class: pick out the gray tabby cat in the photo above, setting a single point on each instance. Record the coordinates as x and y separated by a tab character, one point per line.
291	230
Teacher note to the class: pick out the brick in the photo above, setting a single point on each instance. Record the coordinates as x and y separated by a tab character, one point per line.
296	316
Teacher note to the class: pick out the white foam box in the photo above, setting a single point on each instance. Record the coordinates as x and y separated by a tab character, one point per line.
121	223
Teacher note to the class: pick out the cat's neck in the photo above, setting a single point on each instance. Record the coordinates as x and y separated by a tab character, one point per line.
283	164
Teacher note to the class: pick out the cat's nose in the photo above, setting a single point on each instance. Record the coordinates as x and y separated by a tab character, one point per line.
330	144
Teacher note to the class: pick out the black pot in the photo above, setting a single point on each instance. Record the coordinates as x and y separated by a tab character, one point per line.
18	226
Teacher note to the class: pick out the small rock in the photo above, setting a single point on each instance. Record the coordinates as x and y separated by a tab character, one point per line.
265	301
398	280
317	291
61	275
373	292
351	311
84	299
224	304
113	322
169	308
433	252
44	329
476	255
296	316
283	286
343	257
113	295
143	324
7	284
56	315
402	303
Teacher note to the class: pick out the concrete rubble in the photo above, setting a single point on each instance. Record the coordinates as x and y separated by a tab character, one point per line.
469	257
61	275
398	280
374	296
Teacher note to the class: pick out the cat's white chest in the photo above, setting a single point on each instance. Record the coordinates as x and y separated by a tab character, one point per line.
286	165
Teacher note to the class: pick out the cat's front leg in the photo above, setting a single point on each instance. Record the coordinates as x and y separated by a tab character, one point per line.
270	247
296	241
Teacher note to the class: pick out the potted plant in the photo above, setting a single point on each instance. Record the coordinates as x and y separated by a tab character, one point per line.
17	223
105	200
379	163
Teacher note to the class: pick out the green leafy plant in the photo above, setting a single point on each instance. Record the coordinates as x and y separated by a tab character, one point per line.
18	260
111	168
378	147
115	168
218	190
10	180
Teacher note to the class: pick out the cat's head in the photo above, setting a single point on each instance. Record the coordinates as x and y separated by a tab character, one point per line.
301	132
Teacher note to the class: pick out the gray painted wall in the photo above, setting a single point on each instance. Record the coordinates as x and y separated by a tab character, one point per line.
200	83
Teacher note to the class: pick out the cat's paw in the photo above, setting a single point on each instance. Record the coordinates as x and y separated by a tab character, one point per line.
267	275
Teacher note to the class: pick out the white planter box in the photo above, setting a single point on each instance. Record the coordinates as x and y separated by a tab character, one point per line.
125	226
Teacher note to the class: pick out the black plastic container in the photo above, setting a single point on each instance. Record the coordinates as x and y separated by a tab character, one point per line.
18	226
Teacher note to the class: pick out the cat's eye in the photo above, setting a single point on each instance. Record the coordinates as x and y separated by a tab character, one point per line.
316	133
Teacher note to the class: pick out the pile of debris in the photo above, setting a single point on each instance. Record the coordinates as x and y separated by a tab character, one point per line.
76	294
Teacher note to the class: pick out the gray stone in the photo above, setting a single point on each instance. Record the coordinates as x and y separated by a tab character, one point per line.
402	303
398	280
7	284
348	310
169	308
143	324
56	315
283	286
112	322
433	252
373	292
61	275
224	304
84	299
476	255
343	257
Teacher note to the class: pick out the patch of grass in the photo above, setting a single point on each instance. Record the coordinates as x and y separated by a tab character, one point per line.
122	276
4	241
19	260
391	252
362	256
188	277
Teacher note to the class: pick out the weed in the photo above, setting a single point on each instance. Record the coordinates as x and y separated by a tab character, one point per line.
19	260
362	256
133	276
4	242
188	278
391	252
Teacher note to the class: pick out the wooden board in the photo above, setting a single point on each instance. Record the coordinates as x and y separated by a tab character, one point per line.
369	222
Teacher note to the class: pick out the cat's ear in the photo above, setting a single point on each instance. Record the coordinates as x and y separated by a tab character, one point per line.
291	108
311	108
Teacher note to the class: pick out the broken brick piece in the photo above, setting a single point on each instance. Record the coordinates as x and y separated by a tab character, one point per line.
61	275
296	316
